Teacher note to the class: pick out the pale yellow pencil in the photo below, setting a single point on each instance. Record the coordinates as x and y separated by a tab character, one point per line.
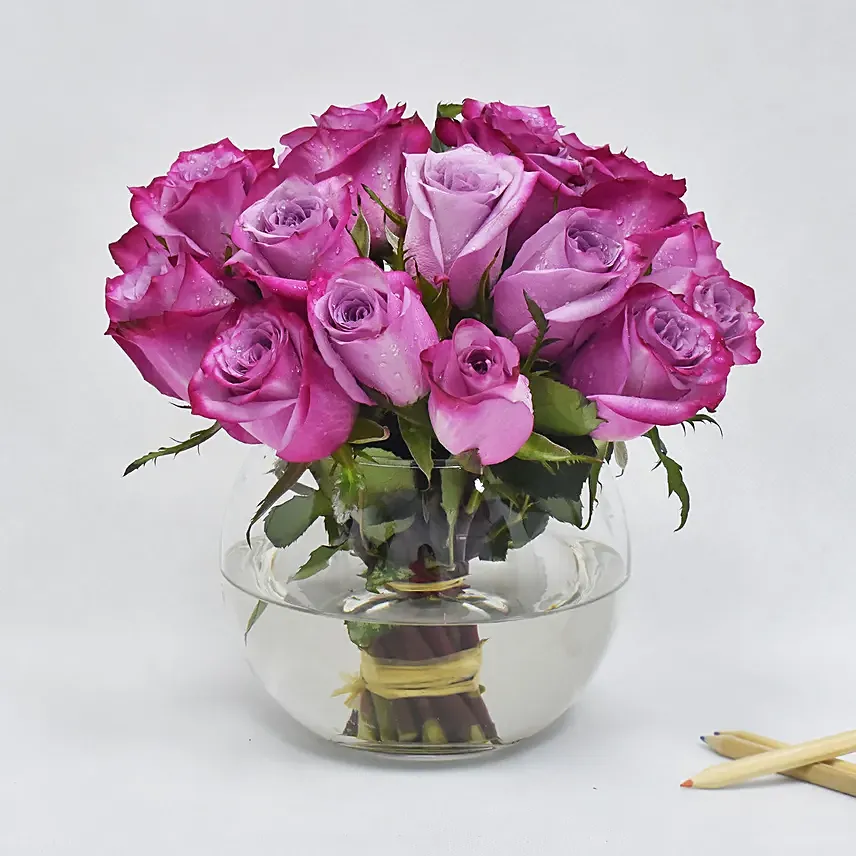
826	774
769	743
773	761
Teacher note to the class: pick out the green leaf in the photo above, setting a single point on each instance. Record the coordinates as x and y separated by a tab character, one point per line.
197	438
701	418
289	475
318	559
360	232
674	476
363	633
541	448
470	461
396	244
380	533
287	522
255	615
560	409
367	431
449	111
389	474
541	325
621	455
378	576
483	305
393	216
418	439
437	303
565	510
416	413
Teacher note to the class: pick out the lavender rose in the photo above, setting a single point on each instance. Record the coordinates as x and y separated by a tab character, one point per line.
479	400
201	195
461	205
566	168
263	375
294	229
164	312
370	327
365	142
575	267
652	360
730	305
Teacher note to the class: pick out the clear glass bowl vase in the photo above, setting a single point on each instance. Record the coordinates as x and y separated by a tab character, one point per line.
442	620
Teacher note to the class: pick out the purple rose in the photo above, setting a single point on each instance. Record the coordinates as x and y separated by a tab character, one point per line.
292	230
263	375
479	400
163	314
731	307
134	246
201	195
652	360
575	267
370	327
461	203
566	168
365	142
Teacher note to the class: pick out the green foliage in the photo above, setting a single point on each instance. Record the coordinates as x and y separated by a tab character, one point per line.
621	455
470	461
382	531
542	325
437	303
318	559
560	409
701	418
541	448
360	232
363	633
484	308
367	431
453	484
287	478
255	615
418	438
390	475
197	438
674	475
381	574
287	522
565	510
393	216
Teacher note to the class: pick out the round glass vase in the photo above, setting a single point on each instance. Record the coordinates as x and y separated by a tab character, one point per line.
387	611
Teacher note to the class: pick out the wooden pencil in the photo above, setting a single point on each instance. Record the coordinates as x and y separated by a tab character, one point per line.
825	774
769	743
773	761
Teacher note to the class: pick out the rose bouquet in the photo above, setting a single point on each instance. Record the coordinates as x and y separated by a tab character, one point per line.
451	332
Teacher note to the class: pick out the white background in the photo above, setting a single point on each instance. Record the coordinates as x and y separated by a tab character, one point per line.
129	723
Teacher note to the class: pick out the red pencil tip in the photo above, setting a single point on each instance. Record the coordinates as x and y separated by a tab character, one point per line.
687	784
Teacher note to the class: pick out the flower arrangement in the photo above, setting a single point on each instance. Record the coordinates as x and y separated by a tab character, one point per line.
495	295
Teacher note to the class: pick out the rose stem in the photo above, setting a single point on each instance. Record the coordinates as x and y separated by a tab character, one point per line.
351	726
470	639
366	728
401	717
459	718
432	731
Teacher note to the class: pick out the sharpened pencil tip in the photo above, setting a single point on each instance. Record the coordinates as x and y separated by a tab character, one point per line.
687	784
716	734
703	739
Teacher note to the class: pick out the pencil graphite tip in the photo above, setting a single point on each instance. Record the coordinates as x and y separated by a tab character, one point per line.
716	734
703	739
687	784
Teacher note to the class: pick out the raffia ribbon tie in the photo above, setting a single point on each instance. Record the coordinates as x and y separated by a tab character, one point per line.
428	587
392	679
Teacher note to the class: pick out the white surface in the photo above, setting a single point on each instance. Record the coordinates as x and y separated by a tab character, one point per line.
128	721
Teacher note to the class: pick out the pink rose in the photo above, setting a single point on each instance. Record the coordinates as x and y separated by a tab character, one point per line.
163	313
365	142
566	168
201	195
292	230
461	203
262	374
479	400
370	327
575	267
652	360
731	307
